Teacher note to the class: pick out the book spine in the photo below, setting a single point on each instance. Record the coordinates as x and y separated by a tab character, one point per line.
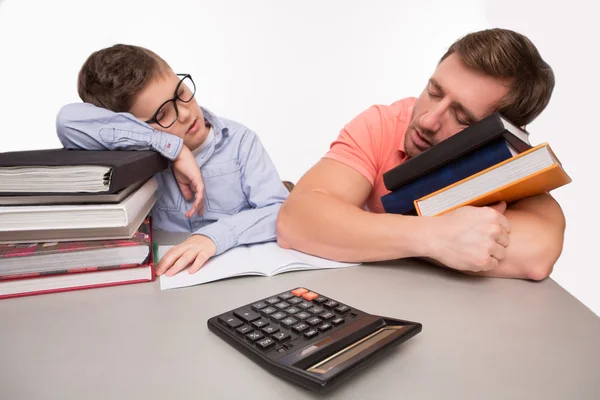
142	168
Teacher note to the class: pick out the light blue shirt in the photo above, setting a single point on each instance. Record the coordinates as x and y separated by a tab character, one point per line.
243	189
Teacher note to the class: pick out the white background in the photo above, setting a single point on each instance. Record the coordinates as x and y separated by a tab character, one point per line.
295	72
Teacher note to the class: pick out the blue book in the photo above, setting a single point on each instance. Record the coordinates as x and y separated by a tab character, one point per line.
401	200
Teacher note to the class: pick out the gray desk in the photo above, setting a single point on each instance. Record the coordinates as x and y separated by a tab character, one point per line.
481	339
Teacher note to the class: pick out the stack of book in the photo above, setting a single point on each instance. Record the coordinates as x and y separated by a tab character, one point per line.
75	219
489	161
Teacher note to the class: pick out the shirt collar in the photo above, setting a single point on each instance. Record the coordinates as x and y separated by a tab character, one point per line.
220	130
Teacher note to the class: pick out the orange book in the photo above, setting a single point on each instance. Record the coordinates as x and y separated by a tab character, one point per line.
532	172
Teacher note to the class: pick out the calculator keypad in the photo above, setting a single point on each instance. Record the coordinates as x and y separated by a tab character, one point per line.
299	314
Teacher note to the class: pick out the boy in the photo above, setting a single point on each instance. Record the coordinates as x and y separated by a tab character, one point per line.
132	100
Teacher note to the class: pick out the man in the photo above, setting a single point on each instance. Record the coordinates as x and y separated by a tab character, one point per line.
335	209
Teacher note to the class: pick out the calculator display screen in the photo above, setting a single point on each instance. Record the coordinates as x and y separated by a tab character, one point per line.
355	349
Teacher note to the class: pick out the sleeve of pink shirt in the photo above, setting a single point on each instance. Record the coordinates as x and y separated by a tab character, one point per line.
358	143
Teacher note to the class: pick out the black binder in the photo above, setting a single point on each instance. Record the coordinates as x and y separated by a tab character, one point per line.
53	167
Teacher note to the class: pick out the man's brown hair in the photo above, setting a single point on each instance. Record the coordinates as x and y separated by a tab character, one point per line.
505	54
112	77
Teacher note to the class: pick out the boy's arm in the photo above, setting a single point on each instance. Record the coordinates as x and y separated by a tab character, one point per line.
264	191
85	126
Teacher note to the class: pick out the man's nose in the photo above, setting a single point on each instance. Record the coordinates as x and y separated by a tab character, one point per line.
431	121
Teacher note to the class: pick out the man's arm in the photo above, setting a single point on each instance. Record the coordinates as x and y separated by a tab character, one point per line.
536	239
323	216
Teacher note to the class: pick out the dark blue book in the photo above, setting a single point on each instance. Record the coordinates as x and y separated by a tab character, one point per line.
401	200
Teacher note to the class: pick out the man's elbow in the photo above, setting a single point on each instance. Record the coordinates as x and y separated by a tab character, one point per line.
543	261
539	269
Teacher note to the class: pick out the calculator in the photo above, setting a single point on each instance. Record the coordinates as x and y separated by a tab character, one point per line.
308	338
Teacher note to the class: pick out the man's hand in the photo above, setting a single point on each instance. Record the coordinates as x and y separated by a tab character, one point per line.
188	176
471	238
195	251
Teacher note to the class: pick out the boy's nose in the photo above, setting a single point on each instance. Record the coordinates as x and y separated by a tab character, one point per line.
184	114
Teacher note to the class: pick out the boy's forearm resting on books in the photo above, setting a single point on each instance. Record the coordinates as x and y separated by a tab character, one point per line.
85	126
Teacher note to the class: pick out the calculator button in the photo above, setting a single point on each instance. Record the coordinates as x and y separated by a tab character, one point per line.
254	336
311	333
272	300
327	315
325	326
314	321
282	305
268	330
316	310
230	321
287	322
337	321
244	329
278	315
281	336
268	311
331	304
260	323
342	309
285	296
259	306
299	292
310	296
246	314
305	305
303	315
300	327
294	300
266	343
292	310
320	300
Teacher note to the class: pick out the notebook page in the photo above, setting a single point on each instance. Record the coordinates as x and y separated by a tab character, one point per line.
258	259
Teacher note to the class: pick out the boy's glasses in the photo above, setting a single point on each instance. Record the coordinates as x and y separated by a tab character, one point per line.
168	113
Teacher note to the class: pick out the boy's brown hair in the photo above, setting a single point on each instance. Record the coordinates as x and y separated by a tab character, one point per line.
112	77
506	54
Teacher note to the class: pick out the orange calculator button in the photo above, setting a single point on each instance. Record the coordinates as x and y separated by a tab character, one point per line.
310	296
299	292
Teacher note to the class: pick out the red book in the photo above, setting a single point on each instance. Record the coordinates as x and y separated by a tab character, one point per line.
90	270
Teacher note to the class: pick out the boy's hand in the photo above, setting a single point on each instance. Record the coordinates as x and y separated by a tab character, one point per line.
195	251
189	178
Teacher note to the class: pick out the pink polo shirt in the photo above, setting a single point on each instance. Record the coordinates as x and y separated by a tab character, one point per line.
373	143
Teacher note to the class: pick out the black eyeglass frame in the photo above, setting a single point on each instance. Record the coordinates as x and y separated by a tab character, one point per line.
174	101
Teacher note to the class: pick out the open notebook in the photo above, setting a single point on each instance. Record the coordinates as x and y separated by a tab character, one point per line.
265	259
